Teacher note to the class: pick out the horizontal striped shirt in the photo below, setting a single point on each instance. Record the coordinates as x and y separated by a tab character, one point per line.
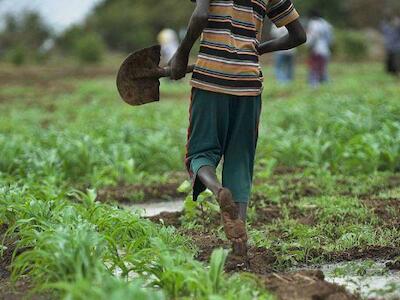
228	61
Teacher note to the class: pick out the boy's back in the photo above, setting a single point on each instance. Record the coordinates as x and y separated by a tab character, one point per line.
228	58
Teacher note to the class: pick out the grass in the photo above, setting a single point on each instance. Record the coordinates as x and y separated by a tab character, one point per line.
339	145
68	244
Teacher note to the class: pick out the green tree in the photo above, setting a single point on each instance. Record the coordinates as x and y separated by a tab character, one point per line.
89	48
23	36
130	24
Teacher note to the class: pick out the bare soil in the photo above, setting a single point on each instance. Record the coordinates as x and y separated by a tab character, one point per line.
372	252
168	218
304	285
44	76
206	241
153	192
388	210
308	285
22	288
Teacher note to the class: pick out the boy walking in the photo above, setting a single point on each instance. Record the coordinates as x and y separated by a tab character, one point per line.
226	98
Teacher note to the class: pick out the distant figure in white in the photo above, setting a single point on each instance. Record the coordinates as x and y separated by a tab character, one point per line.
168	39
284	60
320	38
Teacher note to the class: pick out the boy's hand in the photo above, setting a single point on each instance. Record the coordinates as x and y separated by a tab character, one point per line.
178	65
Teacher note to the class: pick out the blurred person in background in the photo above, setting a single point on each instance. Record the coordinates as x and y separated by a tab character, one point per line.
391	35
320	38
284	60
168	39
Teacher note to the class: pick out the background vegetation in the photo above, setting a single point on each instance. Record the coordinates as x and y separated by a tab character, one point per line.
126	25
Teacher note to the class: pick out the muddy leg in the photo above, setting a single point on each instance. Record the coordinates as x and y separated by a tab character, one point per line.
242	211
240	249
208	177
234	226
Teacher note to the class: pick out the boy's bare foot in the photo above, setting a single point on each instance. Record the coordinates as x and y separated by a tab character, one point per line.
235	228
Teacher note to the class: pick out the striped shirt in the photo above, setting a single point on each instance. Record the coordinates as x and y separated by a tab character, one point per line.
228	61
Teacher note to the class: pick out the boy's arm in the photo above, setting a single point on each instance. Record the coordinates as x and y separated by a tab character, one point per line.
197	23
295	37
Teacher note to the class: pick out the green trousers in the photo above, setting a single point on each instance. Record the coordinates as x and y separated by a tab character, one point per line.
223	127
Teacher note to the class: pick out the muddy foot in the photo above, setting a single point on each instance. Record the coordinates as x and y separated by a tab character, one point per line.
235	229
236	263
226	203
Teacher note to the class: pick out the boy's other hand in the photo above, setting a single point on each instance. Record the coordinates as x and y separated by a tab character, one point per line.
178	64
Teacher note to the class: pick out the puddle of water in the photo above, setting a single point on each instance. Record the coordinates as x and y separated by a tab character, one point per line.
155	208
375	283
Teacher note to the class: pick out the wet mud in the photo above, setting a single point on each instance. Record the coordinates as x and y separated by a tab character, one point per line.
139	193
304	285
207	241
167	218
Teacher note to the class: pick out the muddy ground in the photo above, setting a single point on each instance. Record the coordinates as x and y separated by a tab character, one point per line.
307	285
293	285
262	261
137	193
304	284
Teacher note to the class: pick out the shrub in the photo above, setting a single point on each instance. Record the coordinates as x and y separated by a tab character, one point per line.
352	45
17	55
89	48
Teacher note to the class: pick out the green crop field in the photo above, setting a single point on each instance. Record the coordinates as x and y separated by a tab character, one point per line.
326	189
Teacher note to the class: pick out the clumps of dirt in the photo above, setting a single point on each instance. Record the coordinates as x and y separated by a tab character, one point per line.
388	210
167	219
371	252
139	193
266	215
305	285
393	265
259	260
206	243
305	217
283	170
269	212
298	188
